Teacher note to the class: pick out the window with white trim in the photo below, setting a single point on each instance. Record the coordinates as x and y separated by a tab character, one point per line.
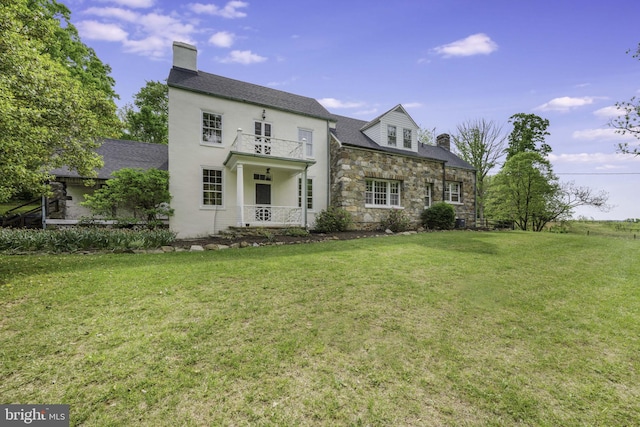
309	193
211	187
428	195
406	138
391	136
306	136
453	192
380	193
211	128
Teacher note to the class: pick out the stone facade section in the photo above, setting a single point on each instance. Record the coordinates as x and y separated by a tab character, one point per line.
350	168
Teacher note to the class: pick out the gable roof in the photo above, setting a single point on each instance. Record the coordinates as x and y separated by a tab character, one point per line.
349	132
223	87
118	154
398	109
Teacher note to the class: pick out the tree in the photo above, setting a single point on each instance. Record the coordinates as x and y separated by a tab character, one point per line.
629	121
56	98
150	122
527	192
132	193
520	191
427	136
527	135
481	143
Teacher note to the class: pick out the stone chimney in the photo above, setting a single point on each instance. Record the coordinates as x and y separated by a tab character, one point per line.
185	56
444	140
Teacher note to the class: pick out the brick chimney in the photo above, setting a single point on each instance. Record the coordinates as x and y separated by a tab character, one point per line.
185	56
444	140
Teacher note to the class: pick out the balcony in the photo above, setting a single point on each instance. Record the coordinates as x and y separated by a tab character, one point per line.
268	146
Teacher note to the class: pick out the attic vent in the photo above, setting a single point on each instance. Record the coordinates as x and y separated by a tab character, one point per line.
398	110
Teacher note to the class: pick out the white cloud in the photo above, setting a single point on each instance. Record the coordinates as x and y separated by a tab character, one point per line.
412	105
565	103
476	44
607	112
230	10
94	30
245	57
602	133
132	3
222	39
336	103
113	12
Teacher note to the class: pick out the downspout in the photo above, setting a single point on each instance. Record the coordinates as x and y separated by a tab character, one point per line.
303	202
444	179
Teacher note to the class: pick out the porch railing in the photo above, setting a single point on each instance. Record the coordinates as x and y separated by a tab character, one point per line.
272	215
268	146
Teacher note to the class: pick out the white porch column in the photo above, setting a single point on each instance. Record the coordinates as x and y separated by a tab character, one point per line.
240	193
304	196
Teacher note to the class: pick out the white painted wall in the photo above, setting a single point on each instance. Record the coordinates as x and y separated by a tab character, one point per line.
187	158
378	132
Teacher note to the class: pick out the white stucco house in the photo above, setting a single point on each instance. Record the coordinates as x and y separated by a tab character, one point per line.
244	155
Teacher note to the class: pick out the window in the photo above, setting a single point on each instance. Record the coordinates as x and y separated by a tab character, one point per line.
263	138
211	187
453	192
307	136
428	195
406	137
309	193
391	135
382	193
211	128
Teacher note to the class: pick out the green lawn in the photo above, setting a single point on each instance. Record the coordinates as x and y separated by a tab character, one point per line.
450	328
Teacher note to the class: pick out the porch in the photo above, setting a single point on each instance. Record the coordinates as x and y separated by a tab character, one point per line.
269	176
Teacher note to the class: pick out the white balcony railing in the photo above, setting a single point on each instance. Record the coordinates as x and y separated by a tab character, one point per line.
272	215
268	146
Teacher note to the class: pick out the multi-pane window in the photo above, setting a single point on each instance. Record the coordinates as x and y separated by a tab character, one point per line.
211	187
382	193
406	138
453	192
263	138
428	195
309	193
391	136
306	136
211	128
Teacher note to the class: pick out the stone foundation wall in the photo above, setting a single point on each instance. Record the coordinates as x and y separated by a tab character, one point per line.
350	167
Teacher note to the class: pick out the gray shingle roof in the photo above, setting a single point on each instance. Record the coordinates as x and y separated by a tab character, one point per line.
348	133
118	154
224	87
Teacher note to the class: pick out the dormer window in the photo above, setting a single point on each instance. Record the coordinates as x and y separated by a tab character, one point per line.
391	136
406	138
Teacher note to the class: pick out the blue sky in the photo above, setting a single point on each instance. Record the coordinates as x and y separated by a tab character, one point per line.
446	61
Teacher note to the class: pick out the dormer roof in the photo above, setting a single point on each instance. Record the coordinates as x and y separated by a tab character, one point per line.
397	109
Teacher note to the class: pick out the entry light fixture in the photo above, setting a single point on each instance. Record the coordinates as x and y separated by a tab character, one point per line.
268	174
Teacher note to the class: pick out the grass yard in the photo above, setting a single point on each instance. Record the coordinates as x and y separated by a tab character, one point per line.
452	328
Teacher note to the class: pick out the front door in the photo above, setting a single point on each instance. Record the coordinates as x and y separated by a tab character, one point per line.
263	197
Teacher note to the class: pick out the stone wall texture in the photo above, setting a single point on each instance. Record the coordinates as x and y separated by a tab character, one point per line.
350	167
